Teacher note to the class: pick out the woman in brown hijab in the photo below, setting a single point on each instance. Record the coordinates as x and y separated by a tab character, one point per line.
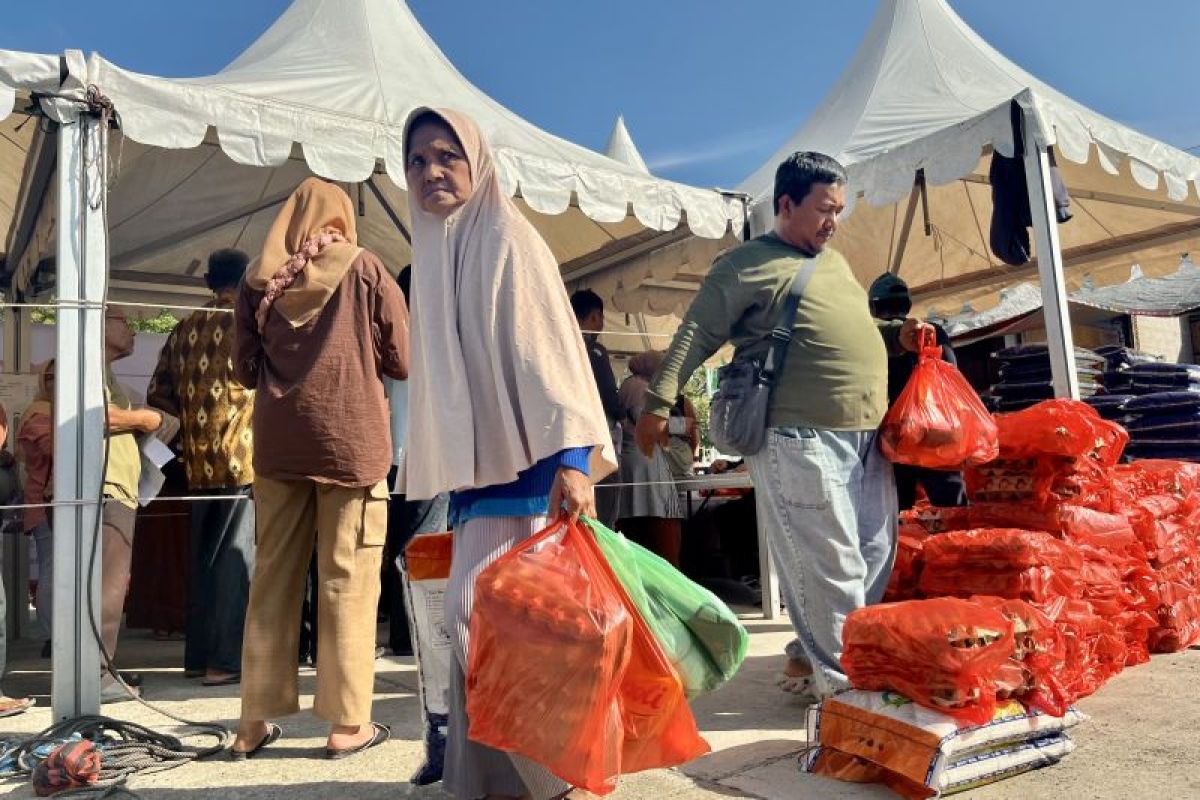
319	323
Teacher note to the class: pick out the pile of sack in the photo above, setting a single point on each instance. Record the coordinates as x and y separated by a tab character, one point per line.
1118	361
1068	567
1025	376
1164	424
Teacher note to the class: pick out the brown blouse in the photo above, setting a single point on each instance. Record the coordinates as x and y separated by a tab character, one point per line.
320	412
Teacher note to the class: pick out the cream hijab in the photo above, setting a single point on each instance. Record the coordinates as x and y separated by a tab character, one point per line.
498	376
315	208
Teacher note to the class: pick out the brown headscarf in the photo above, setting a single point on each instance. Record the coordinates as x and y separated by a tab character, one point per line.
316	208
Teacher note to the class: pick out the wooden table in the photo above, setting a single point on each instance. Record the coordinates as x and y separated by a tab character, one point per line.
766	564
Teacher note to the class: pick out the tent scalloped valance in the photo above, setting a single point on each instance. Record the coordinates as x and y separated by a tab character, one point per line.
252	130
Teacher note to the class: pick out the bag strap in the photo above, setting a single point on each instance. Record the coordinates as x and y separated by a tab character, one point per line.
781	336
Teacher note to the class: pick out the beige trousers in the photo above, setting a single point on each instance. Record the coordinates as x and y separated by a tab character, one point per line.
349	526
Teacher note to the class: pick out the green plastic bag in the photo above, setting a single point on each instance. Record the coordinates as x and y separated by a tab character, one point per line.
701	636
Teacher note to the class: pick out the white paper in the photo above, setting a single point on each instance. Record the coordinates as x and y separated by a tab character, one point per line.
156	452
155	456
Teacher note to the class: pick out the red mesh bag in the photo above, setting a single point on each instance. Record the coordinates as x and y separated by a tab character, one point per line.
945	654
902	585
938	421
1157	476
1096	650
1038	653
1000	548
1060	428
1004	562
1042	483
1178	625
555	638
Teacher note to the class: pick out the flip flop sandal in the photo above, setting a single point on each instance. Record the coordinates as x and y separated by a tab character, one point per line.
12	706
799	685
228	680
273	734
382	734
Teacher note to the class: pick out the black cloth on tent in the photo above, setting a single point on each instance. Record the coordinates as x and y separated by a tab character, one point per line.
1011	216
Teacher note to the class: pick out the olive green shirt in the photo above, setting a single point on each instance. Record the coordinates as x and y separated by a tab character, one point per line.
835	373
124	470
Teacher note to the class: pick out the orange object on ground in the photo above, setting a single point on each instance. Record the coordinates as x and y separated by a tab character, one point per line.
946	654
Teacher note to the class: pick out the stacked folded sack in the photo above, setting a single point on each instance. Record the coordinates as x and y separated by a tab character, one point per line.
881	737
1025	376
1118	361
948	694
1164	424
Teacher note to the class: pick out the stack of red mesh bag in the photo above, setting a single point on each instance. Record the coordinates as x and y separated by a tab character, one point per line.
959	657
1161	501
1043	529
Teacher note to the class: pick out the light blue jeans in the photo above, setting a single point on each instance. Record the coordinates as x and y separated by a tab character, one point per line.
827	502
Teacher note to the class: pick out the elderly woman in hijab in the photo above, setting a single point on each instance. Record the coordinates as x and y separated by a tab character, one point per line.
649	511
319	323
503	413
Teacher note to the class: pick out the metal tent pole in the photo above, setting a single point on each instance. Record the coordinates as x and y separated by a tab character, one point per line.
79	410
1049	257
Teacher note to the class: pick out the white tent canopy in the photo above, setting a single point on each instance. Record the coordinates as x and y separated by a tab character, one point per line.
925	93
203	163
621	148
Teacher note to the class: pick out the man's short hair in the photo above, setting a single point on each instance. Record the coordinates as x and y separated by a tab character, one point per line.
799	171
584	302
226	268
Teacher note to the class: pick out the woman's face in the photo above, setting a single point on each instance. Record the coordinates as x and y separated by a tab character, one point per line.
437	169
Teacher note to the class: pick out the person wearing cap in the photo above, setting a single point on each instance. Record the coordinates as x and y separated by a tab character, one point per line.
890	300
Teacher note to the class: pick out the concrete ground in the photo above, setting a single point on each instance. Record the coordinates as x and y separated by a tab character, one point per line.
1140	742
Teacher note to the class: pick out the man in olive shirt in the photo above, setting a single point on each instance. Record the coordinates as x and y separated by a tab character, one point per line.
122	473
826	496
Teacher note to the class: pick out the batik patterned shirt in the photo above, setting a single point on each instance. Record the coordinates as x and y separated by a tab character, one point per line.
194	381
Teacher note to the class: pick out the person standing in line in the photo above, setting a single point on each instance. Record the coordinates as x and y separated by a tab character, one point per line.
502	412
589	313
121	479
406	518
890	300
650	512
194	381
35	450
319	324
825	493
9	706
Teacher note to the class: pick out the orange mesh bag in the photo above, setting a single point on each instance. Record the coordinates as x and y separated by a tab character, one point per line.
1009	563
1035	676
1067	428
938	421
945	654
1096	649
550	644
563	671
902	585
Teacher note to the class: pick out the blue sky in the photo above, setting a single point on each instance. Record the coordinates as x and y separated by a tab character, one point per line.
709	90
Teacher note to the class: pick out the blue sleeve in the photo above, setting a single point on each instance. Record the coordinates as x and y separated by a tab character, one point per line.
576	458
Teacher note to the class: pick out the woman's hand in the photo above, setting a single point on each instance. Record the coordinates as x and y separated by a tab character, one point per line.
572	492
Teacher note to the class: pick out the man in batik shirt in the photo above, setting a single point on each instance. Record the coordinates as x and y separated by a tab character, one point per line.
194	382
